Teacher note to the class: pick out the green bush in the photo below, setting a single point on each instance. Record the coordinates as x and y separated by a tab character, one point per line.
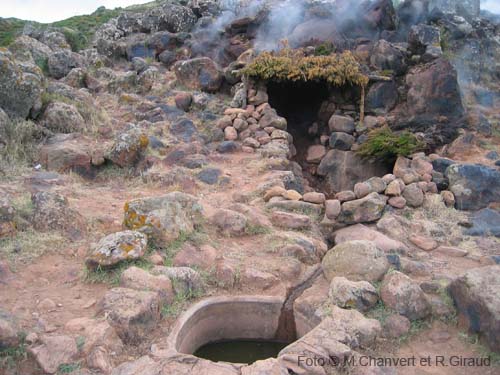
384	144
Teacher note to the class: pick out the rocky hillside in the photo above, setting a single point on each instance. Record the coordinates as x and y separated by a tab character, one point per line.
337	158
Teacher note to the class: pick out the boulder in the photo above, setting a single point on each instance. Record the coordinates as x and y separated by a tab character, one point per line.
405	296
131	313
20	89
27	49
315	153
386	56
341	141
355	260
359	295
332	208
362	232
396	325
128	148
343	169
97	333
343	124
421	36
475	186
364	210
485	222
163	219
62	118
229	222
414	195
8	331
185	280
62	61
200	73
290	220
382	97
67	152
477	297
175	18
51	212
117	247
54	351
139	279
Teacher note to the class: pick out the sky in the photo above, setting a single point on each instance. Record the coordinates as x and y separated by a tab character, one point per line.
56	10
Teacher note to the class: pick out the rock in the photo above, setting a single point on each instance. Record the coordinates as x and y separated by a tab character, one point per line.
275	191
421	36
176	19
20	90
381	98
424	243
62	118
361	189
128	148
343	124
341	141
62	61
209	176
67	152
362	232
228	147
315	153
271	119
192	256
290	220
477	297
8	331
163	218
343	169
434	92
404	295
296	206
393	189
332	208
397	202
448	198
142	366
186	281
54	351
360	295
117	247
184	129
139	279
451	251
396	325
466	8
364	210
473	185
27	49
51	212
7	215
229	222
386	56
292	195
485	222
355	260
230	134
199	74
97	333
130	312
345	196
414	195
313	197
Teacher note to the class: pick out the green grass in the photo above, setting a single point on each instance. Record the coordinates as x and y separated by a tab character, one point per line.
10	357
68	368
386	145
78	30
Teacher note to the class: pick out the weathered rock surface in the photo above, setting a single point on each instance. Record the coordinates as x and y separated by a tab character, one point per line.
128	148
117	247
356	261
362	232
185	280
359	295
477	297
54	351
62	118
364	210
199	74
405	296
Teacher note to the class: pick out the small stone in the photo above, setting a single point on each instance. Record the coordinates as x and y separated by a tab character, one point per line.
314	197
424	243
396	325
361	189
346	195
332	208
397	202
292	195
448	198
360	295
315	153
414	195
230	134
275	191
290	220
393	189
341	141
341	124
451	251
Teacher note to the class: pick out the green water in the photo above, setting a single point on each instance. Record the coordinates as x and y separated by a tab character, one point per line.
240	351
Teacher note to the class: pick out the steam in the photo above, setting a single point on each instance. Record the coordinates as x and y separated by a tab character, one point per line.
492	6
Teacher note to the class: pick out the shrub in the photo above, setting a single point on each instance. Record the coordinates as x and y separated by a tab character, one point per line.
292	65
384	144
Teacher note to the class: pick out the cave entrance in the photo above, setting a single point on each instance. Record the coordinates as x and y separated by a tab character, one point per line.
300	103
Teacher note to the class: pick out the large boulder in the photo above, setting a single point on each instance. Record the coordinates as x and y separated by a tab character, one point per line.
20	87
62	61
343	169
177	18
382	97
117	247
200	73
51	212
405	296
475	186
25	48
54	351
356	261
62	118
163	218
360	295
362	232
131	313
477	297
386	56
128	148
364	210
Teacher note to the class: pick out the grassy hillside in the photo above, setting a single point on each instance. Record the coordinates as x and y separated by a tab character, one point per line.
78	29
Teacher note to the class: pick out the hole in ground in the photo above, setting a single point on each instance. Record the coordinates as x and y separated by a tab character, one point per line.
300	103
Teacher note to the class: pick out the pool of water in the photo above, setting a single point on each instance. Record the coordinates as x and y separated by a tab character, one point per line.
240	351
